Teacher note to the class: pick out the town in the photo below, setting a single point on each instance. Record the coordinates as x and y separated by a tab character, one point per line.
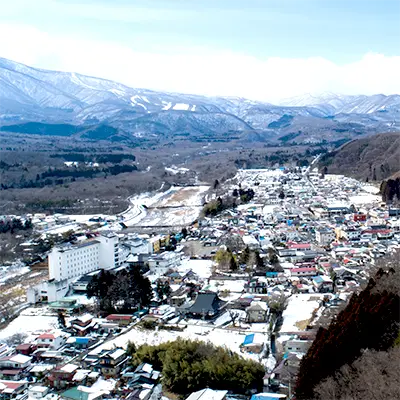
254	264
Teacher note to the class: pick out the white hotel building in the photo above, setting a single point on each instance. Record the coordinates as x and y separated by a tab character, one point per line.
76	260
71	261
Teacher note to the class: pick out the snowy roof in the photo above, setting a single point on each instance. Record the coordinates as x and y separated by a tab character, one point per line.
69	368
117	353
208	394
20	358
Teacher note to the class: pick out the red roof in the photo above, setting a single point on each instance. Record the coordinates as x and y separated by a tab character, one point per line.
46	336
116	317
299	245
384	231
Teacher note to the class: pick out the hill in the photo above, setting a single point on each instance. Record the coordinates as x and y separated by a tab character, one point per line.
372	158
370	321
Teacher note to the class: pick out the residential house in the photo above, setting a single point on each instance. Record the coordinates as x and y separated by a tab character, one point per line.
37	392
324	236
121	319
17	361
303	272
111	362
323	283
26	348
82	325
51	340
257	312
253	343
208	394
62	377
11	389
255	285
297	345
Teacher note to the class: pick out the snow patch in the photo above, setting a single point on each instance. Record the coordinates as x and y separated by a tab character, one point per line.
181	106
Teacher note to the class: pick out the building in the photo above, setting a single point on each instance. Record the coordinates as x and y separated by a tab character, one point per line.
51	340
70	261
111	362
297	345
37	392
18	361
161	263
208	394
257	311
253	343
303	272
323	283
324	236
206	305
255	285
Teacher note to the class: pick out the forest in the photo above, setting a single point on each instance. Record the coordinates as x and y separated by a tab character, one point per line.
367	330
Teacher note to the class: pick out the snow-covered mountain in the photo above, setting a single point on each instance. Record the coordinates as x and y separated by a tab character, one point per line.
337	103
31	94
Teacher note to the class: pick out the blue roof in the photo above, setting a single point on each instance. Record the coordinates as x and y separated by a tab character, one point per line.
82	340
248	339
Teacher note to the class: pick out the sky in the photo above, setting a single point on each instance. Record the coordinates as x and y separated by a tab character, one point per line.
265	50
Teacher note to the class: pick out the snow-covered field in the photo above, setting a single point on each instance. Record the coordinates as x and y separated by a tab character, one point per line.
219	337
31	322
149	209
299	310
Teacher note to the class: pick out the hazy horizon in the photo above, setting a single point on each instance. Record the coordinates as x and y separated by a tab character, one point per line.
264	50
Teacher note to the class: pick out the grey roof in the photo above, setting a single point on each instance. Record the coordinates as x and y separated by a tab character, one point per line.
206	302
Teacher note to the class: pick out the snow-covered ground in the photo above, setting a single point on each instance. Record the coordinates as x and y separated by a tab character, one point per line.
31	322
219	337
299	309
200	267
148	209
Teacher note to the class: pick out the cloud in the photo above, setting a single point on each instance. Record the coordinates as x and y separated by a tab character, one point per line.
201	70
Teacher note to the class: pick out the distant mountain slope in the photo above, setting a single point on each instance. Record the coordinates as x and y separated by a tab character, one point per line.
374	157
35	95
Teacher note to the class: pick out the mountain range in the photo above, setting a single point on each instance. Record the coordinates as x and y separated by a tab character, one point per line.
49	97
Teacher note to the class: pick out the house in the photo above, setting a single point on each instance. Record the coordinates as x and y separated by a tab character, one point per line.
120	319
11	389
323	283
324	236
37	392
18	361
303	272
82	325
297	345
51	340
26	348
81	393
255	285
62	377
161	263
111	362
268	396
257	312
253	343
208	394
206	305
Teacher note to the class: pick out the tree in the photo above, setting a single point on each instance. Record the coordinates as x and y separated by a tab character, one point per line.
61	319
163	289
216	184
188	366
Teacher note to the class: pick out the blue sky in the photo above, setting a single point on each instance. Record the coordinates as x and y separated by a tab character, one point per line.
328	40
